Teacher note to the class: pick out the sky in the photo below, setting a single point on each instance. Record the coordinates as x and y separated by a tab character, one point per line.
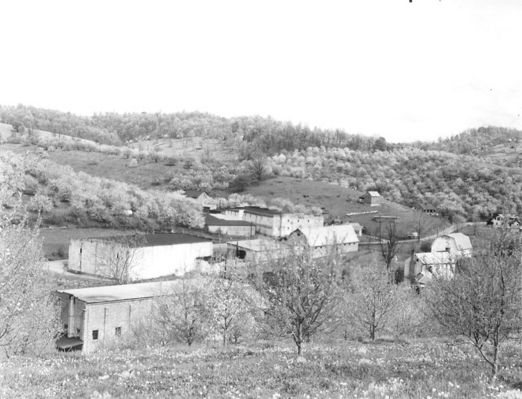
405	71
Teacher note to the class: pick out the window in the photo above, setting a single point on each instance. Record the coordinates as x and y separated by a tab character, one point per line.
94	335
66	326
78	331
117	331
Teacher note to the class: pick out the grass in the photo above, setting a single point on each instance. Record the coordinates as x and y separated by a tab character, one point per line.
339	201
421	369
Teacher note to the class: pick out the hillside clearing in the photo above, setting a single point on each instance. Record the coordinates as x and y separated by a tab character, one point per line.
339	201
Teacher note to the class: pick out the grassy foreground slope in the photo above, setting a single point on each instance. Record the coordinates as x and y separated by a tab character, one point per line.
345	369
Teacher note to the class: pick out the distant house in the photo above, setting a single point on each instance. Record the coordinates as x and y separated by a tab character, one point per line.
229	227
101	315
424	266
505	221
322	239
372	198
147	255
431	211
456	244
274	223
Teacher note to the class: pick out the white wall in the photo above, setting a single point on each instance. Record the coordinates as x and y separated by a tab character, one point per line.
162	260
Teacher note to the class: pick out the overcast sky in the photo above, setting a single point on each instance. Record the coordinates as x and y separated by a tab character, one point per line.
402	70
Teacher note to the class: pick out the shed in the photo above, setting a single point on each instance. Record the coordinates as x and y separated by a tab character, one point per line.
372	198
425	265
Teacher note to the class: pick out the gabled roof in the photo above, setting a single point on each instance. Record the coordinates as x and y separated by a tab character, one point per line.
434	258
329	235
123	292
374	193
462	241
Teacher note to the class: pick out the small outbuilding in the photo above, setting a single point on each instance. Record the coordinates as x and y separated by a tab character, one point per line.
372	198
257	250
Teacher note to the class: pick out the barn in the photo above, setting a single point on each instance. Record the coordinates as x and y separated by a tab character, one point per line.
425	265
100	315
142	256
456	244
323	239
257	250
372	198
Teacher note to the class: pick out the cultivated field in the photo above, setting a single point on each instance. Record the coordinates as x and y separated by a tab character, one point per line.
341	369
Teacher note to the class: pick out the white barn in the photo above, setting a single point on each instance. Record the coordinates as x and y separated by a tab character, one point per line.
144	256
456	244
322	239
426	265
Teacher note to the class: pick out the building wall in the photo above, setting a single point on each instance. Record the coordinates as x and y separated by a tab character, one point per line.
445	270
292	221
235	231
105	317
71	315
95	256
164	260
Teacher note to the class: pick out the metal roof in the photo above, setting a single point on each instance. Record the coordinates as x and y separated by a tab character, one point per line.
374	193
211	220
434	258
152	240
462	241
330	235
110	293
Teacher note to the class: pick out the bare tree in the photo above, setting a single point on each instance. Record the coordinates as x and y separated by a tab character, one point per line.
371	301
183	315
118	261
390	245
300	293
483	300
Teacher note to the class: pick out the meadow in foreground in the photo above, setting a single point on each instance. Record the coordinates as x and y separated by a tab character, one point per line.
348	369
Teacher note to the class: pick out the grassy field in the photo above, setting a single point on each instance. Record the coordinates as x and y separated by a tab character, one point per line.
56	240
343	369
339	201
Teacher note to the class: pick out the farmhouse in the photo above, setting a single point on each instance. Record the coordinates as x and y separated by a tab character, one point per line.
323	239
274	223
229	227
372	198
505	221
142	256
96	315
425	265
456	244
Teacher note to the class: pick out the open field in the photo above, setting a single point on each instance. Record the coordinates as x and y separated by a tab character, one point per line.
346	369
196	147
339	201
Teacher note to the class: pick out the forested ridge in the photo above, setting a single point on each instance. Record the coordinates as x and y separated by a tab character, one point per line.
450	175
